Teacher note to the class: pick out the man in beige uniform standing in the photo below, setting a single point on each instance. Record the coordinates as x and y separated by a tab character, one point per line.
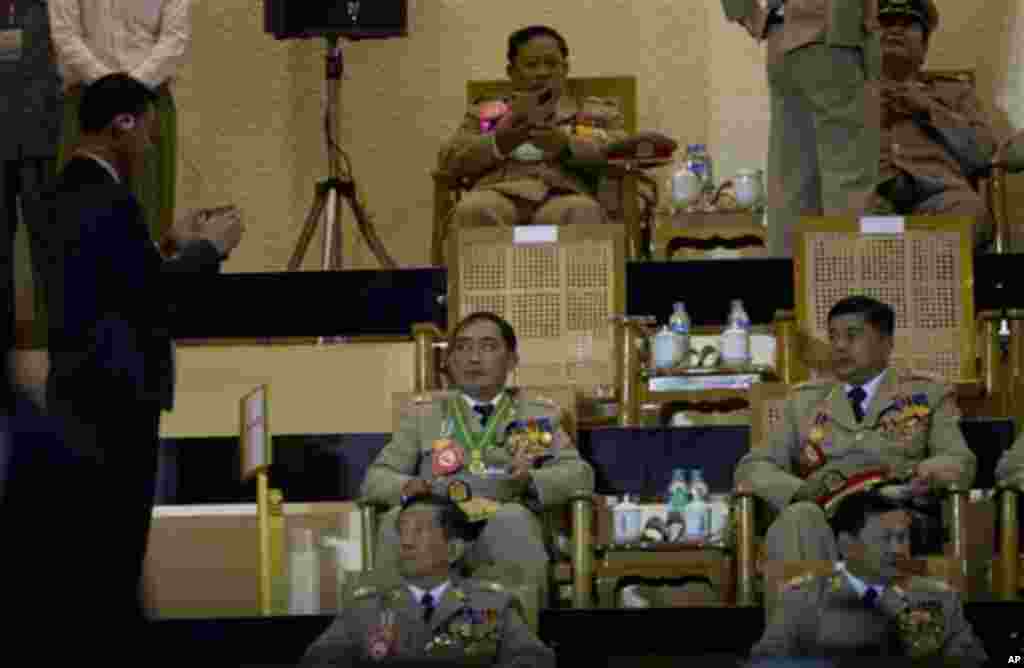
146	39
501	454
873	423
519	151
823	151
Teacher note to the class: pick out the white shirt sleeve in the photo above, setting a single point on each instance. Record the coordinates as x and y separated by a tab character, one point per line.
66	32
169	52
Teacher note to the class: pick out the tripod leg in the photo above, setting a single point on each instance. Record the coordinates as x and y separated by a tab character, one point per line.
337	247
308	228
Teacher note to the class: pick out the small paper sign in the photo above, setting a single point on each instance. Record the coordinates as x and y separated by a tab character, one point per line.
882	225
535	234
254	432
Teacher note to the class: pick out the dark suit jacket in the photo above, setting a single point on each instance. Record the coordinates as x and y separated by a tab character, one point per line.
111	294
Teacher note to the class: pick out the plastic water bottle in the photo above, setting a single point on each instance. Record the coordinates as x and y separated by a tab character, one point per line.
719	517
679	323
699	162
303	573
698	488
678	493
735	344
698	511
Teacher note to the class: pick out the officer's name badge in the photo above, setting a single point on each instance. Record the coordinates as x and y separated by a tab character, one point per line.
532	438
380	642
447	457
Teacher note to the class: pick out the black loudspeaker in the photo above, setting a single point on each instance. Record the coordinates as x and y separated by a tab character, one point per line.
353	19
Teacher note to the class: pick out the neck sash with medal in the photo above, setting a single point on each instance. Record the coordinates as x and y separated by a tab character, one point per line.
476	443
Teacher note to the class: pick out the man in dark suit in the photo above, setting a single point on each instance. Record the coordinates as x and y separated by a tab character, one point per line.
112	303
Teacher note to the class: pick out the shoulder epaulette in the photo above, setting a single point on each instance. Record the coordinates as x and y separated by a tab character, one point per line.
800	581
914	374
365	592
490	585
811	385
930	584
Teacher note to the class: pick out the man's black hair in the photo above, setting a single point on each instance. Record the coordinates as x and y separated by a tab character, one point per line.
449	516
106	98
520	37
875	312
853	512
508	333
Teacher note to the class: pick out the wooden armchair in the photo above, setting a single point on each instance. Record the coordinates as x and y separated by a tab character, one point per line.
628	182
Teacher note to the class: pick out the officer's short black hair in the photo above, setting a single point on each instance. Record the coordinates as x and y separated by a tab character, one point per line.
520	37
875	312
109	96
851	516
449	516
508	333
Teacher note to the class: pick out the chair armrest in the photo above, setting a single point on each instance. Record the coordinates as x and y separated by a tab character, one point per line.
368	511
744	517
1010	154
582	505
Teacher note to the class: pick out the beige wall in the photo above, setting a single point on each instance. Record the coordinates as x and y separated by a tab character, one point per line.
251	106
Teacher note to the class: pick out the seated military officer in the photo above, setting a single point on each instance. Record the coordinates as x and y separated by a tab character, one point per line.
500	453
868	606
517	150
871	422
1010	469
936	141
428	615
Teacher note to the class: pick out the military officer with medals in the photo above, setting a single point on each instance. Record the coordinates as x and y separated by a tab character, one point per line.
427	614
869	606
523	152
497	451
871	423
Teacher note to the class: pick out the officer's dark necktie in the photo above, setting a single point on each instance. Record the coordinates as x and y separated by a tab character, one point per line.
870	597
428	606
484	411
857	396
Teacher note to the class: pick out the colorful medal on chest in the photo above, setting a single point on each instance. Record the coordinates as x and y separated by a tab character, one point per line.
383	638
467	448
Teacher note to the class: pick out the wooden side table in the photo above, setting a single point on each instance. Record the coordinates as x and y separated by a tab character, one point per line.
705	235
663	561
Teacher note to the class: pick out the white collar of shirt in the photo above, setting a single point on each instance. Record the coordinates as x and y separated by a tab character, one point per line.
869	390
436	593
103	163
474	403
858	585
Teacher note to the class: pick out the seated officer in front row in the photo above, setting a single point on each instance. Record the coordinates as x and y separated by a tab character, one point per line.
499	452
870	422
868	607
428	615
517	150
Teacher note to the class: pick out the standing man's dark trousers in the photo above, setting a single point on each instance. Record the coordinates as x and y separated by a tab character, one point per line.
125	440
825	138
18	177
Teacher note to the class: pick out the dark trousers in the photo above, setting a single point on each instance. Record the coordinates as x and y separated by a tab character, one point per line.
124	442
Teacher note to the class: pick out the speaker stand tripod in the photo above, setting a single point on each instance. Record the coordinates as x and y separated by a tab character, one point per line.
327	202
